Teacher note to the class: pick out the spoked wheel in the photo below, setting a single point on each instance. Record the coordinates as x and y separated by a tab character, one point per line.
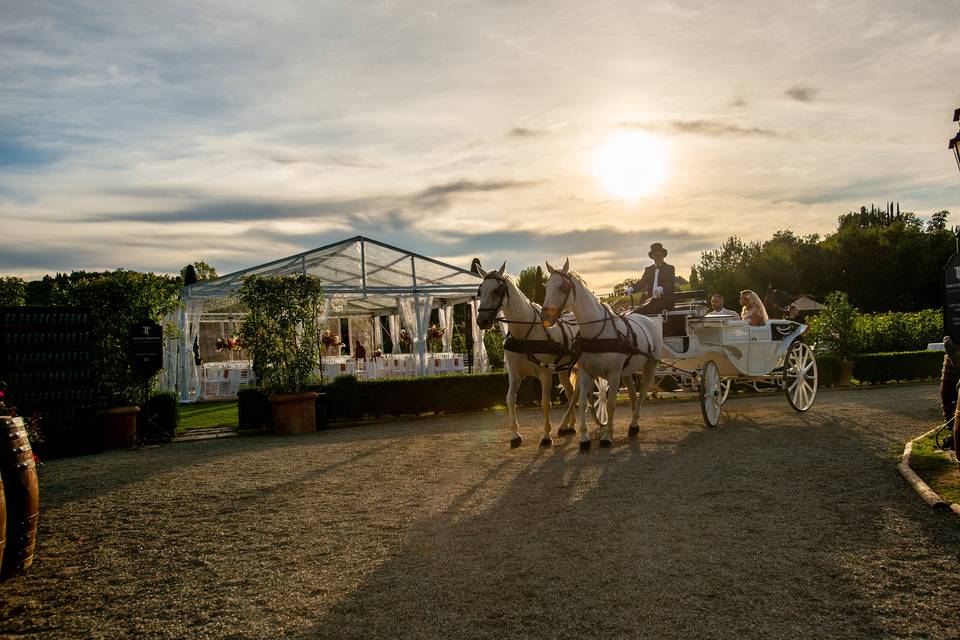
725	386
711	393
800	376
598	401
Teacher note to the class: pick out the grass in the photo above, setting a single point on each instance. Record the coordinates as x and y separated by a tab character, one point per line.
208	414
936	469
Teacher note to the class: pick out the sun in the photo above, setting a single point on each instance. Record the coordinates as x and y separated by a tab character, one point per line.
630	164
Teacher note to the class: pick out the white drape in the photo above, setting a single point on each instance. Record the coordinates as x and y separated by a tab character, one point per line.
377	333
188	378
480	362
394	323
446	321
415	312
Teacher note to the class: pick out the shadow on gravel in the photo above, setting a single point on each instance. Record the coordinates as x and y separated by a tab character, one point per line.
774	524
747	530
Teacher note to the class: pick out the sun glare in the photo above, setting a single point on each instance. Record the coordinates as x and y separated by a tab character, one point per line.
630	164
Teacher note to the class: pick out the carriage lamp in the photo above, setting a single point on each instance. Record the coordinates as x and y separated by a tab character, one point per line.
955	142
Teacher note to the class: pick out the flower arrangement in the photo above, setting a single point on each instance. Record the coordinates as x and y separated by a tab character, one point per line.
435	337
405	341
233	343
330	339
377	354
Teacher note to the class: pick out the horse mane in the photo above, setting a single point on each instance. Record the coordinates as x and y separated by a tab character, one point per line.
574	274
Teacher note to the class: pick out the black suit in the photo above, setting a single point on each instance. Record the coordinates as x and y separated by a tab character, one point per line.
666	279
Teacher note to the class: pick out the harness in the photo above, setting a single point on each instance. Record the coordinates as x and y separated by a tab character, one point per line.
625	342
531	348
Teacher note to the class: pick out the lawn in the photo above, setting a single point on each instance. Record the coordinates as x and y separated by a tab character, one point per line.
936	469
208	414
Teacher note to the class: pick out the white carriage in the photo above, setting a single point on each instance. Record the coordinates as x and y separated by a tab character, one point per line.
708	354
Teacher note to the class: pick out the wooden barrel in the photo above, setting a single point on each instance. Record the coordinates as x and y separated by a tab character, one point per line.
3	520
19	473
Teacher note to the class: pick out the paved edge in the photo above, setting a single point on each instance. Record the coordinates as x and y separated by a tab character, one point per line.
921	487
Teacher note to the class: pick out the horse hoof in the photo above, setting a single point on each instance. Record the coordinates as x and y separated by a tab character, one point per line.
516	442
546	442
633	432
585	445
606	444
569	431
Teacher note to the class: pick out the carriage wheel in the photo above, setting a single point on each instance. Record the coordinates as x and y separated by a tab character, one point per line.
711	393
598	401
726	384
800	376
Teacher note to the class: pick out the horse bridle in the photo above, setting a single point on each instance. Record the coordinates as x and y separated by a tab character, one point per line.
567	287
501	290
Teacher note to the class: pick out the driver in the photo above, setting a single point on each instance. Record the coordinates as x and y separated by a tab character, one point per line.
657	282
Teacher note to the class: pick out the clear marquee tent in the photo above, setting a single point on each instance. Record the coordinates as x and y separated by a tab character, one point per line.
363	280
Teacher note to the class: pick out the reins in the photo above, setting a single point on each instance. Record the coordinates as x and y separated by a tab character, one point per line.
624	344
526	345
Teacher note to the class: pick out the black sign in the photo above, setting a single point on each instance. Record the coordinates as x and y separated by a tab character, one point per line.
951	298
146	347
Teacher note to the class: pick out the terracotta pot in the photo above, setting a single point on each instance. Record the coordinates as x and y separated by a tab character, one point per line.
846	370
118	427
295	413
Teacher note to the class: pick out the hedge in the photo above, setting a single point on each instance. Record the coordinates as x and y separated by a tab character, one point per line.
899	332
348	398
904	365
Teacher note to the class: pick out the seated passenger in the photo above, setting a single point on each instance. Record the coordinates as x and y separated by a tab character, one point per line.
717	309
753	310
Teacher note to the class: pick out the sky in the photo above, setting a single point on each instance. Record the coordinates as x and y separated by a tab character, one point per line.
146	135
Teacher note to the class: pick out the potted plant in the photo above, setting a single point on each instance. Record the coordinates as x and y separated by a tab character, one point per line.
837	332
116	300
282	334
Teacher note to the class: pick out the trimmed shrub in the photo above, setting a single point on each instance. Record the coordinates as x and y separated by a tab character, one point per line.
159	417
907	365
828	368
348	398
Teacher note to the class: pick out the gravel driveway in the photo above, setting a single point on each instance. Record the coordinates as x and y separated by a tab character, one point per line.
773	525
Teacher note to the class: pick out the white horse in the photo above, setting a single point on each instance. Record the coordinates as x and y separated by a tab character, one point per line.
613	347
499	293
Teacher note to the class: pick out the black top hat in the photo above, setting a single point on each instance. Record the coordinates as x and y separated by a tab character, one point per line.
656	247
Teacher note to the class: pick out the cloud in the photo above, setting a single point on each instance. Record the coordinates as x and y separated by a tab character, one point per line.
46	258
431	199
801	94
712	128
525	132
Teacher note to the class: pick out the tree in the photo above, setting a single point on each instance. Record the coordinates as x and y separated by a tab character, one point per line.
530	280
13	291
620	289
203	270
283	330
938	222
116	300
